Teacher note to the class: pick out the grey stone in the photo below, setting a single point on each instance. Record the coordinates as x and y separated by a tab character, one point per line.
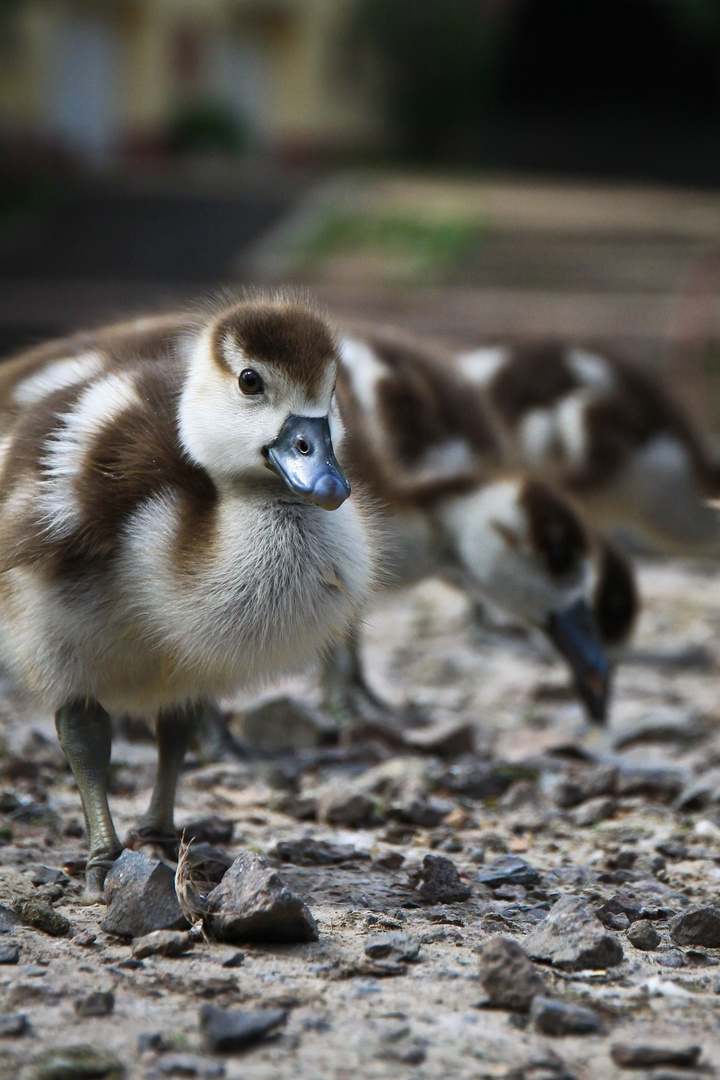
594	810
162	943
78	1062
185	1064
698	925
438	881
225	1031
553	1017
672	958
15	1024
508	870
644	1055
253	903
48	875
394	946
578	787
701	791
657	781
310	852
140	897
285	724
665	724
8	919
85	940
99	1003
235	961
642	901
572	938
209	830
643	935
9	954
341	805
447	739
423	810
408	1051
508	976
476	778
151	1040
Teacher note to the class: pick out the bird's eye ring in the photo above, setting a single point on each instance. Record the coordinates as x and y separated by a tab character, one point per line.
250	382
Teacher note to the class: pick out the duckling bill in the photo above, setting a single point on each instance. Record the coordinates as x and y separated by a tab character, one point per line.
174	524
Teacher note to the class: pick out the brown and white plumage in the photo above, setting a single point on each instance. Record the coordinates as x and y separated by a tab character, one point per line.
434	455
606	432
149	557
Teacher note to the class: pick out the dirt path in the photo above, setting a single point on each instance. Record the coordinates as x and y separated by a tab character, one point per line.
595	813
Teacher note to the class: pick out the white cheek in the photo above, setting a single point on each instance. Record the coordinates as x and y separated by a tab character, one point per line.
482	365
337	428
227	435
509	576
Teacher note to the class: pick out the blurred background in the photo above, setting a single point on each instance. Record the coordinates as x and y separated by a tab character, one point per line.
467	168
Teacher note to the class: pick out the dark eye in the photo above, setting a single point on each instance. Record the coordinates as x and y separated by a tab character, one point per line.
250	382
561	559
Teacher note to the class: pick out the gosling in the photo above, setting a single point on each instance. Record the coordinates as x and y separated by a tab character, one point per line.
165	529
432	456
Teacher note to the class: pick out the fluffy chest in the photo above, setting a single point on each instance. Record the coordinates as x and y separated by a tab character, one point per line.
261	591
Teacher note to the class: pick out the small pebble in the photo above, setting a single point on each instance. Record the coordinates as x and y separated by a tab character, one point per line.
643	935
162	943
48	875
150	1040
184	1064
697	925
644	1055
9	954
508	870
12	1025
508	976
438	881
561	1018
394	946
99	1003
235	961
227	1031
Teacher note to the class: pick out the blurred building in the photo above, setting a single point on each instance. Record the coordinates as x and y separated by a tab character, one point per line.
94	77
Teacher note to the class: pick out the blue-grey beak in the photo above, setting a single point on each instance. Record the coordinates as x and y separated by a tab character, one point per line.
302	455
574	633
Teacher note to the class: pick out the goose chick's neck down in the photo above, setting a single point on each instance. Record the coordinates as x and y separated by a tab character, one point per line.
173	520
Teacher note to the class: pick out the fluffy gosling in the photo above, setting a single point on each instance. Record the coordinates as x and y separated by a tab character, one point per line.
164	529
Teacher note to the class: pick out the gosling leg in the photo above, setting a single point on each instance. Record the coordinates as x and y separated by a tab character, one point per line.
176	729
85	735
346	692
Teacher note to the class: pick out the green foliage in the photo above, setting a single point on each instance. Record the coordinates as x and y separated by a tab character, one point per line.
208	128
433	240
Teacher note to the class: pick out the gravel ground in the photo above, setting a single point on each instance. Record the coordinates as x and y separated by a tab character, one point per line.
620	825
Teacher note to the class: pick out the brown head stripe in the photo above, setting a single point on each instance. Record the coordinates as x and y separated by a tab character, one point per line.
285	333
556	531
616	596
423	403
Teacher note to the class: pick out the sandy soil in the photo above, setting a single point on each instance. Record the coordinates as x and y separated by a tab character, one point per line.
345	1017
